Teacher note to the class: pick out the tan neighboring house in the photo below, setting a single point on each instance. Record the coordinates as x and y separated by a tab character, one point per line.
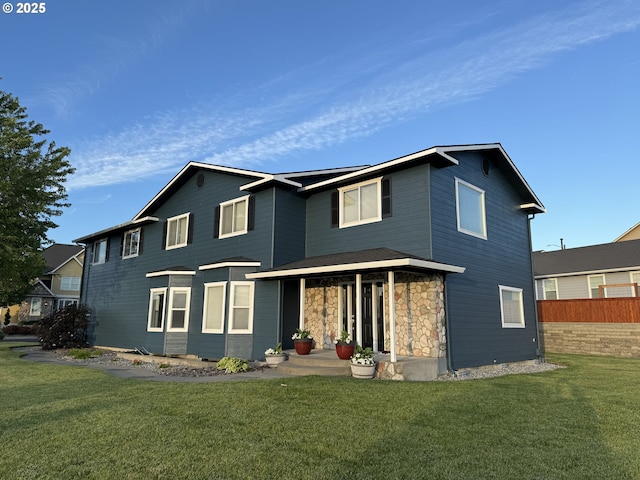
632	234
58	287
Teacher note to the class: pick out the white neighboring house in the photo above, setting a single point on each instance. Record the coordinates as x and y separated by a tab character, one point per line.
580	272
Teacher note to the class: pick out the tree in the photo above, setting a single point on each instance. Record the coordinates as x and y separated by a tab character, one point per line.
32	176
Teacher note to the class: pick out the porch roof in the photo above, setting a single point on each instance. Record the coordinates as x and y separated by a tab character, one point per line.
358	261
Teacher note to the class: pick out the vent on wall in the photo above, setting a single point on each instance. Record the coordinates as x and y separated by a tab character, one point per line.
200	180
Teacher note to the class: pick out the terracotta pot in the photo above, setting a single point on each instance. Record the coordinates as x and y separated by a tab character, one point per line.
363	371
303	347
345	350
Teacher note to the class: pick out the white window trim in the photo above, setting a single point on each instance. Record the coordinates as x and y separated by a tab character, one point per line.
246	217
342	190
249	330
482	235
223	285
71	283
186	232
631	274
544	290
164	309
93	252
509	324
124	242
604	282
35	301
173	290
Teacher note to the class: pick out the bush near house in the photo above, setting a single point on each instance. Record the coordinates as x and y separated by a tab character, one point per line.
65	328
18	330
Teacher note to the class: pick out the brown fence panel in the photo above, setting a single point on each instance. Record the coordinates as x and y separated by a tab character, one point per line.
590	310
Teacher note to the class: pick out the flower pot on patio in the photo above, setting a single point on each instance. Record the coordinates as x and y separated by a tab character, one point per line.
274	360
303	346
363	371
345	350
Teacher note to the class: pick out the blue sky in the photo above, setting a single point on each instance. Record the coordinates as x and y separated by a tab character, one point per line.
138	89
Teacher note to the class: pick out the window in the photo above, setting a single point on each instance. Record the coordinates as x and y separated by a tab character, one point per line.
36	307
511	307
65	302
241	308
470	210
70	283
179	299
233	217
635	278
99	251
155	321
360	204
550	286
177	231
594	283
213	315
131	243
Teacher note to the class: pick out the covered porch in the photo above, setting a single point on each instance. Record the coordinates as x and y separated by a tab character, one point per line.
390	301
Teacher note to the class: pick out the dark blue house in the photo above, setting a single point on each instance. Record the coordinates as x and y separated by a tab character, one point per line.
426	257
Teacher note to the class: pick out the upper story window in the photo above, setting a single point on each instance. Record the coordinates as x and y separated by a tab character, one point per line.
594	286
100	253
70	283
470	210
177	231
360	203
234	216
511	307
550	287
131	243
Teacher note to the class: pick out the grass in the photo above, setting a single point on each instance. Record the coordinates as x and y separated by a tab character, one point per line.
75	422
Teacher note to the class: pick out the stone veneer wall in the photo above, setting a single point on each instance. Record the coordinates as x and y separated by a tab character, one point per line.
613	339
420	313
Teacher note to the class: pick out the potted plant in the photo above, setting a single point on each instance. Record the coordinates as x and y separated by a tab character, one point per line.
344	346
274	356
302	341
362	363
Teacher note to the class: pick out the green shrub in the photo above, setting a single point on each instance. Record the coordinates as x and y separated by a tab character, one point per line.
65	328
232	365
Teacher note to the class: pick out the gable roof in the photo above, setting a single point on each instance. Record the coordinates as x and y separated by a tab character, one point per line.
59	254
632	234
442	156
607	257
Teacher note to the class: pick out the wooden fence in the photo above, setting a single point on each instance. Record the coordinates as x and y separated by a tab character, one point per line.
590	310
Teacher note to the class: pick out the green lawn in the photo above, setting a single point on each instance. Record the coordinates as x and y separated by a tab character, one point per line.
61	422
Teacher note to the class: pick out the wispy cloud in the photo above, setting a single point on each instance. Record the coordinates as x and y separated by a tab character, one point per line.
425	83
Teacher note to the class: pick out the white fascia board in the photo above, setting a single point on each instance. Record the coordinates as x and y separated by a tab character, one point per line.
376	168
169	272
589	272
380	265
533	206
627	232
213	266
276	178
121	226
203	166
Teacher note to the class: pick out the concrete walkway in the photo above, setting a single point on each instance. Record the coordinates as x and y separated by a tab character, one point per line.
125	371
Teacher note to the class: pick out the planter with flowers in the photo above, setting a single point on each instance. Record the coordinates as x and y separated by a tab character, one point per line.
302	341
362	363
344	346
274	356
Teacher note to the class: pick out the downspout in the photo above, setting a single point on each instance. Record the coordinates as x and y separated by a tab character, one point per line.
447	327
533	282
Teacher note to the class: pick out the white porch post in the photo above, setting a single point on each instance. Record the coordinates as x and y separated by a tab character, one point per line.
359	308
301	314
392	315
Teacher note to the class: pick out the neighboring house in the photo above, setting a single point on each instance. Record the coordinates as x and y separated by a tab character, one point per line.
58	286
580	272
426	256
632	234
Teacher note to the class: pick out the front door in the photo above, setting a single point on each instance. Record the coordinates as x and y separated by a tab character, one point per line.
372	313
